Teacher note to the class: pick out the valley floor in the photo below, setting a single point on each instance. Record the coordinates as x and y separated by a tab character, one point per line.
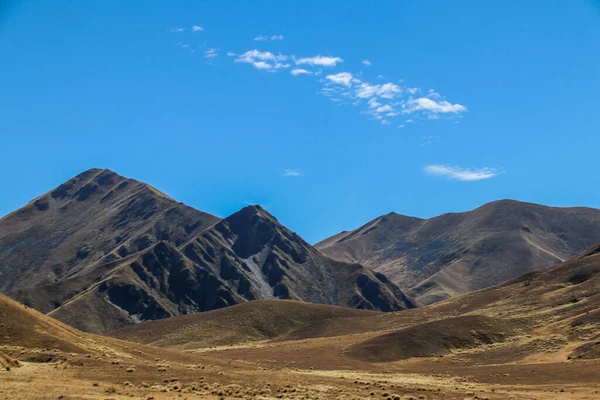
312	369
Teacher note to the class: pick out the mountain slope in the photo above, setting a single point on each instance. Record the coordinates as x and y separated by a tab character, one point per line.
555	309
98	216
250	321
102	251
456	253
246	256
264	259
22	326
543	317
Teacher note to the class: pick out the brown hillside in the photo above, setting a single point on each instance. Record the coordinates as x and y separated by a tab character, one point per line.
433	338
23	326
248	322
532	338
101	252
96	218
543	316
561	302
434	259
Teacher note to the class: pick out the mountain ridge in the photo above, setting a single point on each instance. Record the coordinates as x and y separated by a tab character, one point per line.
102	251
453	253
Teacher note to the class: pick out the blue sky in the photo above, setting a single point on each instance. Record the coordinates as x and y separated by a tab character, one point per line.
326	113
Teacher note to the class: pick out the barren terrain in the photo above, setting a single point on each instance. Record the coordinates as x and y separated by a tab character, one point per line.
536	337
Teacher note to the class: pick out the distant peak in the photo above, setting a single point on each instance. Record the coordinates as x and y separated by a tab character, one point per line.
250	211
395	216
94	172
255	207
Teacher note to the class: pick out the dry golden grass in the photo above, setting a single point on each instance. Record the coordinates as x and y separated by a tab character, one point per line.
248	322
547	352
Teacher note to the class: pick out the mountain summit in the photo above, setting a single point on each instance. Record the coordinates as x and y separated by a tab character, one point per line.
102	251
457	253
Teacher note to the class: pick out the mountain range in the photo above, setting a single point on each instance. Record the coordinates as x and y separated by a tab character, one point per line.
535	337
456	253
102	251
114	256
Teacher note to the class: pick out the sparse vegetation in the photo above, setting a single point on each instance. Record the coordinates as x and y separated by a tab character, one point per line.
110	390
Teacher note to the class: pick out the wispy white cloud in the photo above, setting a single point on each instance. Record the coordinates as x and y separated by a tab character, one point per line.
433	106
387	90
211	53
373	103
323	61
262	38
342	78
264	60
292	172
383	109
300	71
176	30
461	174
197	28
254	55
383	101
427	140
366	90
262	65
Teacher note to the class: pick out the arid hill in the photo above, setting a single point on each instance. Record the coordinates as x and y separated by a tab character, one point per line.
95	218
434	259
243	323
547	311
536	337
25	327
101	251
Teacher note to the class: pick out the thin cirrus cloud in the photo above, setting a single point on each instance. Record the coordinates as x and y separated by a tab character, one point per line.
386	91
292	173
367	63
262	38
300	71
211	53
343	78
194	28
263	60
321	61
431	105
461	174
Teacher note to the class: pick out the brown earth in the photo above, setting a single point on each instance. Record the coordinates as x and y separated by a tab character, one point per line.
456	253
533	338
105	368
101	252
248	322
